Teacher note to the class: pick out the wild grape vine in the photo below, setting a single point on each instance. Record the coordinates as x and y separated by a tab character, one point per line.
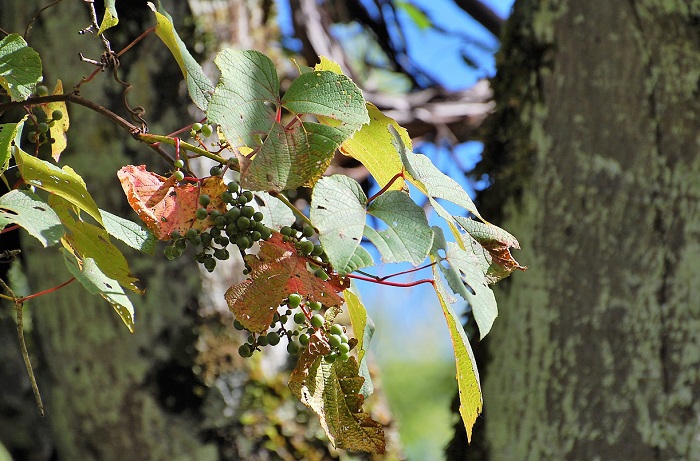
298	266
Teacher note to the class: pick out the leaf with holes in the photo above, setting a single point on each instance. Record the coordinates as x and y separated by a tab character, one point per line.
363	328
338	212
408	236
276	272
164	205
60	127
199	87
332	391
64	182
88	273
20	67
495	244
31	213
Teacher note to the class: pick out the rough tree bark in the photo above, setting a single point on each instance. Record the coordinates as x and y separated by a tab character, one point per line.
594	155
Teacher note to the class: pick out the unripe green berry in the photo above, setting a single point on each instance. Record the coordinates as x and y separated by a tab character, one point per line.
330	358
308	231
245	351
43	127
207	130
293	348
175	235
215	171
238	325
201	213
179	163
334	340
306	247
304	339
343	348
317	320
57	115
196	126
317	251
191	233
232	186
344	357
42	90
294	300
273	338
204	199
299	318
336	329
227	197
320	273
210	264
255	236
262	340
247	211
179	175
344	338
286	230
258	216
314	305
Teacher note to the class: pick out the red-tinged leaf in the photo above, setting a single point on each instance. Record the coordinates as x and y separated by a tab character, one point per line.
165	206
278	271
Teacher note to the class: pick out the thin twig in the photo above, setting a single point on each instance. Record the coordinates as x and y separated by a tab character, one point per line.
23	346
381	279
36	15
391	284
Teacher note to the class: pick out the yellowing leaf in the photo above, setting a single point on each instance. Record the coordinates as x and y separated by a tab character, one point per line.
58	131
372	147
328	64
63	182
470	400
332	391
110	18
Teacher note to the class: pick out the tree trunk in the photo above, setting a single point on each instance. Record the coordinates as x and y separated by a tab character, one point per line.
596	170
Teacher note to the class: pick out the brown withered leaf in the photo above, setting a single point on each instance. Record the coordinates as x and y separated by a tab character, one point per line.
164	205
276	272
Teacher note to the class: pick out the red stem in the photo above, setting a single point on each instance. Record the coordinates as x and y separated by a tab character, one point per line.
391	284
415	269
50	290
386	187
9	229
136	40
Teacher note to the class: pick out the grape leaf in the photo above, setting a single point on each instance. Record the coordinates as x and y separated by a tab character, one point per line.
10	136
89	275
338	212
110	18
470	399
88	241
245	101
58	131
291	157
465	274
199	87
129	232
372	147
332	391
495	244
33	214
429	179
20	67
363	327
408	237
328	94
246	104
63	182
277	271
165	206
275	213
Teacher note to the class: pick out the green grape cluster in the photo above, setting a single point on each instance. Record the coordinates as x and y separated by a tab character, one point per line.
306	247
239	225
205	130
308	321
41	132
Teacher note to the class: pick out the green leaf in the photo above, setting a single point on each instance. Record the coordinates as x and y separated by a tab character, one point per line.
372	147
137	237
10	135
409	237
465	275
332	391
338	212
275	213
246	98
91	277
33	214
110	18
291	158
417	15
328	94
363	327
64	182
199	87
20	67
428	179
470	399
